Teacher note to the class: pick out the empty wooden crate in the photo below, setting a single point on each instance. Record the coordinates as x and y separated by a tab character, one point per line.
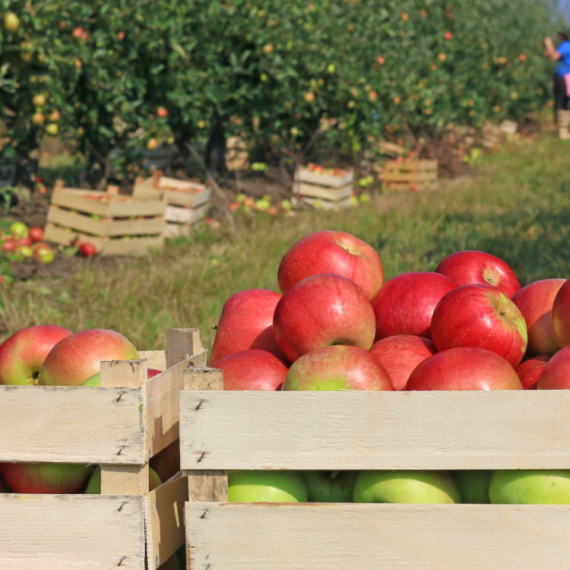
114	224
358	430
327	188
120	425
410	174
187	202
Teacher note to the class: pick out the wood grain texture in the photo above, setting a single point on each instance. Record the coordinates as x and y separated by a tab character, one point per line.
182	344
71	425
154	358
370	537
71	532
375	430
165	520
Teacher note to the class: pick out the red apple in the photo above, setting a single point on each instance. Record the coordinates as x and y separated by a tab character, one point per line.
406	303
152	372
162	112
556	374
400	354
246	323
530	370
36	234
561	315
23	354
252	370
332	252
469	267
480	316
8	246
78	357
45	478
337	368
320	311
87	249
43	253
464	368
23	242
535	304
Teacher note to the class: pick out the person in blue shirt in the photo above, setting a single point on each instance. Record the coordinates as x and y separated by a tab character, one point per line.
561	55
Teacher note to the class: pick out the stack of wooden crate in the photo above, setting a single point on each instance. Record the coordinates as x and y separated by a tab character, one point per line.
187	202
409	174
329	189
114	224
120	425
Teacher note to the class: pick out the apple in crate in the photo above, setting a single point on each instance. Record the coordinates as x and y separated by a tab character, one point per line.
23	354
470	267
530	371
78	357
417	487
530	487
252	370
167	462
332	252
464	368
320	311
561	315
45	478
473	485
400	354
405	304
480	316
556	374
535	303
330	486
337	368
246	323
266	487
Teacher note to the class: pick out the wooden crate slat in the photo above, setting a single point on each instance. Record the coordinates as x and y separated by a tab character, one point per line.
156	359
186	215
410	177
71	425
79	222
411	165
162	410
77	200
375	430
331	194
369	536
148	226
326	204
191	194
320	179
75	532
164	516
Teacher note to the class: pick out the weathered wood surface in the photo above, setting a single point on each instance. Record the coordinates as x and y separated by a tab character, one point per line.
321	179
71	532
375	430
156	359
370	537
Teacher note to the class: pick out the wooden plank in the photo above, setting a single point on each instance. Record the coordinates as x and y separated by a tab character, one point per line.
77	200
156	359
368	537
147	226
165	520
411	165
326	204
332	194
139	207
375	430
68	424
186	215
76	221
71	532
320	179
56	234
126	480
162	403
182	344
409	177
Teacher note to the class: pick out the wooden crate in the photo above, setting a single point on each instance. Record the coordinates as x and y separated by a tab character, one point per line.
221	431
563	119
409	174
331	191
115	225
120	426
187	202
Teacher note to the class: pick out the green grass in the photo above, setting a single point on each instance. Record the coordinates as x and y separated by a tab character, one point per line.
516	207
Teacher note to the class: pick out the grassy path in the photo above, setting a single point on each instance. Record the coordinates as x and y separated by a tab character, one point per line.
517	207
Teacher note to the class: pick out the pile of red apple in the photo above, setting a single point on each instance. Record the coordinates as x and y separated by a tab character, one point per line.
338	326
22	243
54	356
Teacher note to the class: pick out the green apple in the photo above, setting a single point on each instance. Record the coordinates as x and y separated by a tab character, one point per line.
19	230
473	485
94	380
266	487
11	22
420	487
530	487
330	486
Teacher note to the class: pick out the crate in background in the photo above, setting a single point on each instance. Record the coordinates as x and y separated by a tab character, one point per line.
327	188
410	174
